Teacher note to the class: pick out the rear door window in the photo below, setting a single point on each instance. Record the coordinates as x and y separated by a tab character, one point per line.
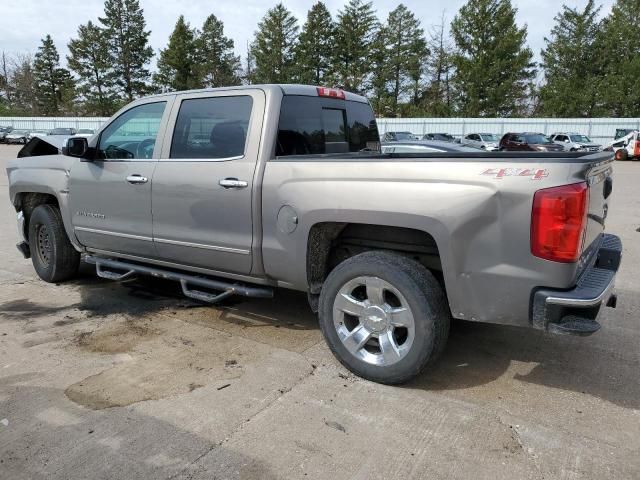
314	125
213	128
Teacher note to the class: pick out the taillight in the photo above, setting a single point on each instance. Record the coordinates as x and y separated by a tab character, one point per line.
330	92
558	222
636	149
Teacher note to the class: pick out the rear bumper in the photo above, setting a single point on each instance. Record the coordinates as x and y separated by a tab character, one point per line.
575	311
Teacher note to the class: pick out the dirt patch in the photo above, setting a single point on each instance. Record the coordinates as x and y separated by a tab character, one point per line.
119	338
168	357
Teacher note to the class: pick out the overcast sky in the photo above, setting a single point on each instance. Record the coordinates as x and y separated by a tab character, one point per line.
24	22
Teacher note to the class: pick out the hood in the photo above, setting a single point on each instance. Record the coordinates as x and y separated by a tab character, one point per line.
44	145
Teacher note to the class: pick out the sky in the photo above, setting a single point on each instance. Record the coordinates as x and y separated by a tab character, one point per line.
23	23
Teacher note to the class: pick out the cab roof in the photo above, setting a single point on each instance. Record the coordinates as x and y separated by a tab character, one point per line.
285	88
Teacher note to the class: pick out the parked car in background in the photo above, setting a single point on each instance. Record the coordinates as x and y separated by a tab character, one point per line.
85	132
443	137
17	136
398	136
3	133
38	133
528	142
484	141
62	131
422	146
574	142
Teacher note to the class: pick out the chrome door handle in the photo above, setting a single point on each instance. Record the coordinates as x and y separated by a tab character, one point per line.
233	183
137	179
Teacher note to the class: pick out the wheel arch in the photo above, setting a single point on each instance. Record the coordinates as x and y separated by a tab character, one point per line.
329	243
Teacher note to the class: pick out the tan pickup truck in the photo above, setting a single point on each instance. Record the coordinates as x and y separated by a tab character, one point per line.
238	191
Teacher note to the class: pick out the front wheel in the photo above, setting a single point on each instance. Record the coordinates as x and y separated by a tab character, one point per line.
384	316
53	256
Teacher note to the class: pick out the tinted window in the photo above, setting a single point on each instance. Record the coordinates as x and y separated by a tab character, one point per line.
537	139
212	127
133	134
314	125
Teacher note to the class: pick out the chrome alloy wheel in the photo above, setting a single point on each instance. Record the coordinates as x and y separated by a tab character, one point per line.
373	321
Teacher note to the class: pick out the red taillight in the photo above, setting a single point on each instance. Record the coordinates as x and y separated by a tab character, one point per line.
558	221
331	92
636	149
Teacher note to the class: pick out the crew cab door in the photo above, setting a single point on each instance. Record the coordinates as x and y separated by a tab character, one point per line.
110	194
204	182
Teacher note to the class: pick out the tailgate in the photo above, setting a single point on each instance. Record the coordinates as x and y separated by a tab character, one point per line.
600	179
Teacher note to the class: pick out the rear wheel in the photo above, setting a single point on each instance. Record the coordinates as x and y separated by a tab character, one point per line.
384	316
52	255
622	154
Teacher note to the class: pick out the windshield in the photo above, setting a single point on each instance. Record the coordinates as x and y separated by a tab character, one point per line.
85	130
580	139
61	131
19	132
404	136
537	138
489	137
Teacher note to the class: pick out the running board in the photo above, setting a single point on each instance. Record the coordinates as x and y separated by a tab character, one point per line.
121	270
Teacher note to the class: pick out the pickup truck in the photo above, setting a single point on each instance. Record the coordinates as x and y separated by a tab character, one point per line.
242	190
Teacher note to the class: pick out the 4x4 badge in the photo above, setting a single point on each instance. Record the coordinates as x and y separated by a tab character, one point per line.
532	173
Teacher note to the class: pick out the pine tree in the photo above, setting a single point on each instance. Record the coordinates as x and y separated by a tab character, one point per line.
406	54
436	99
274	45
493	65
618	47
218	65
128	44
54	85
570	64
177	64
90	60
356	32
316	45
378	91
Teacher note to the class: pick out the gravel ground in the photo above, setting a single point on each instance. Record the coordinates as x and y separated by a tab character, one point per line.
132	381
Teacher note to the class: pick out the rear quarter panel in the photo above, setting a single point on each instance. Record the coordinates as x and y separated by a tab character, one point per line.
479	213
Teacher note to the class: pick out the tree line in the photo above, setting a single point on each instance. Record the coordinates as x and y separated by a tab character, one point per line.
478	65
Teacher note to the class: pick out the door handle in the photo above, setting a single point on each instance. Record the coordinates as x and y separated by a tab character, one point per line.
137	179
233	183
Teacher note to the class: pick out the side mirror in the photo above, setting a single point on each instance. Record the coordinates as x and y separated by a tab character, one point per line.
75	147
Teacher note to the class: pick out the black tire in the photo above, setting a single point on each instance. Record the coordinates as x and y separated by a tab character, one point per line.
622	154
52	255
425	300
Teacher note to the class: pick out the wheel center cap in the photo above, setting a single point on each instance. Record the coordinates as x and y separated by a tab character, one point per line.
375	319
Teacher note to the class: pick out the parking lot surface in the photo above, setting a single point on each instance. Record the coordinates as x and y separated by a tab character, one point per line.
133	381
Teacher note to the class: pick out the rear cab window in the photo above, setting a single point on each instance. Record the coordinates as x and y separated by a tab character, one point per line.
317	125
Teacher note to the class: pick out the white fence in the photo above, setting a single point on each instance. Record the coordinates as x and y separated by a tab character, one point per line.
599	129
47	123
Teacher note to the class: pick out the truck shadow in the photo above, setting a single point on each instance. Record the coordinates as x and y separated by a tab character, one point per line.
604	365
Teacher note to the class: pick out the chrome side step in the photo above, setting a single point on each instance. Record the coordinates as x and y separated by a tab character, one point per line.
121	270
